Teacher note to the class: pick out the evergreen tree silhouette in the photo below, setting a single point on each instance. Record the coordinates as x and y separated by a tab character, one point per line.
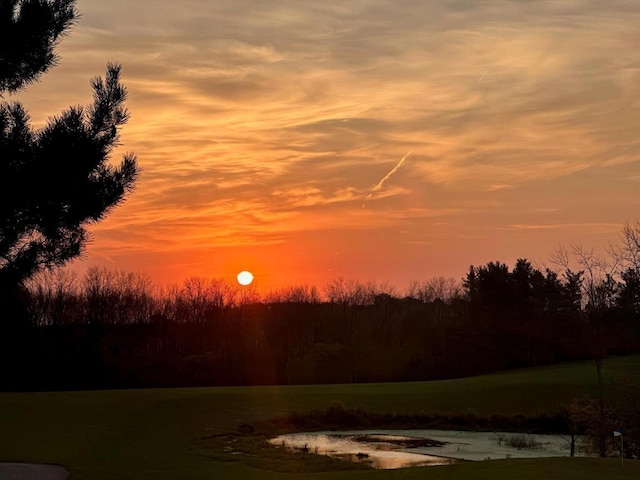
56	181
29	31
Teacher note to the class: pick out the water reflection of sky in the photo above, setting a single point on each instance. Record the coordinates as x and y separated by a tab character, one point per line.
376	454
383	451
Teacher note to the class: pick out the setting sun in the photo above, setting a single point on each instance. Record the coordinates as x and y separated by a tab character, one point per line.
245	278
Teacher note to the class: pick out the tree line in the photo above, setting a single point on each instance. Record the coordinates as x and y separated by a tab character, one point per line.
116	329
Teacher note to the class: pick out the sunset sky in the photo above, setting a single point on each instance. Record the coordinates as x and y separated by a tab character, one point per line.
265	130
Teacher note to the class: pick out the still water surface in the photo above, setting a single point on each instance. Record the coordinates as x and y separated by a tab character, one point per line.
387	449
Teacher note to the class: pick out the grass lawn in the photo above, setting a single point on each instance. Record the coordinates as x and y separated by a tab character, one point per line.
157	433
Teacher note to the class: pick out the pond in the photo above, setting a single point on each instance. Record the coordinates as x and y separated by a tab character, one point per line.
387	449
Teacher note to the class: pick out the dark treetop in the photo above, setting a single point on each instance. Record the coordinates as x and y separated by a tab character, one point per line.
56	181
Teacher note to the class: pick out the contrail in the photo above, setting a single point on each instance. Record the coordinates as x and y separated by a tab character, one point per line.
385	178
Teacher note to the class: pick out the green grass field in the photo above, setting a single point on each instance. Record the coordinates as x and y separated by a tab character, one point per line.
157	433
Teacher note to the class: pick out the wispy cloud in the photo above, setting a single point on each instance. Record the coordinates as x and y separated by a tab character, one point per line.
610	227
257	122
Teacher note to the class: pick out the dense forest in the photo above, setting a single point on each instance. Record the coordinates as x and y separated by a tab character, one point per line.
115	329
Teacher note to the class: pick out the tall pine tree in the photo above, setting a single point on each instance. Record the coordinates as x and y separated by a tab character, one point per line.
56	181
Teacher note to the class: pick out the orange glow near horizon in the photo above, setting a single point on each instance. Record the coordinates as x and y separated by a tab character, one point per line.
273	136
